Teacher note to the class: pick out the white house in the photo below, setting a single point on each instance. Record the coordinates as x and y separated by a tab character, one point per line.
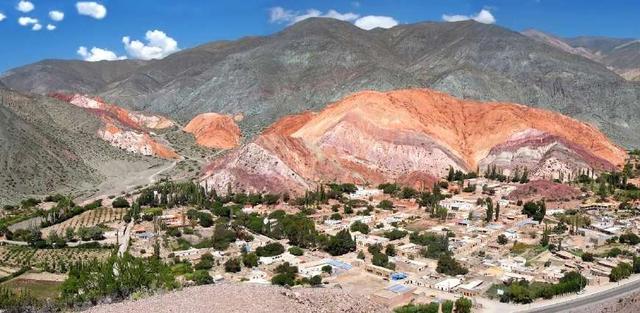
448	284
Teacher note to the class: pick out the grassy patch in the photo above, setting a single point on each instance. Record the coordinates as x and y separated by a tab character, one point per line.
41	289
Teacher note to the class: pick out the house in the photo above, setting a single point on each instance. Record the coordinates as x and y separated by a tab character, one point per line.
365	219
409	250
394	295
448	284
364	240
194	254
458	204
597	206
470	289
378	270
285	257
174	220
311	269
365	194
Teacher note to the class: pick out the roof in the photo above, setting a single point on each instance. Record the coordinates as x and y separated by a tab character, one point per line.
399	288
472	284
339	264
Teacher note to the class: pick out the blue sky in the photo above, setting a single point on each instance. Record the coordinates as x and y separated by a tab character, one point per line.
182	24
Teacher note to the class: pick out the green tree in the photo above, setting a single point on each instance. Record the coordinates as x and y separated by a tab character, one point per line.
359	226
489	214
341	243
250	260
232	266
502	239
447	306
449	266
463	305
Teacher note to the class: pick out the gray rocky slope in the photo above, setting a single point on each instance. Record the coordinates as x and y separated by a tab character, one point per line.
50	146
318	61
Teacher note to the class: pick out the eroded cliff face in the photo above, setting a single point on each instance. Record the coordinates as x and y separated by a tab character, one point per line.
412	136
127	130
214	131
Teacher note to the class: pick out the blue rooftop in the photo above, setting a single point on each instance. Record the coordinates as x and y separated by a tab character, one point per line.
398	276
339	264
399	288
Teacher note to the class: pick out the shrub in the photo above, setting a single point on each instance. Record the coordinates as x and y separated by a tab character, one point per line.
120	203
270	249
232	266
297	251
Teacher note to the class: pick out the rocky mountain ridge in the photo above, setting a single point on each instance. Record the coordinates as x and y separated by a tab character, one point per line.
318	61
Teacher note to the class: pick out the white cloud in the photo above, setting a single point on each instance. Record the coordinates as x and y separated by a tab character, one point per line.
51	27
56	15
98	54
25	21
2	17
36	27
158	46
25	6
373	21
484	16
93	9
280	15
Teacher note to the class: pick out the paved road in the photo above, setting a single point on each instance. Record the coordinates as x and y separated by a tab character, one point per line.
587	300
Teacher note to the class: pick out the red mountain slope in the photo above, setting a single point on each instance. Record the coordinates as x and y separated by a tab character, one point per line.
372	137
128	130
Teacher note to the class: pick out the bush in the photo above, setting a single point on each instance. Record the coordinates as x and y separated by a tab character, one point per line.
120	203
250	260
385	205
359	226
463	305
297	251
630	238
395	234
286	275
587	257
447	306
270	249
232	266
315	280
502	239
200	277
341	243
621	271
418	308
449	266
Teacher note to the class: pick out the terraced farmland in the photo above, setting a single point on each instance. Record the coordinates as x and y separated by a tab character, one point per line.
50	260
88	219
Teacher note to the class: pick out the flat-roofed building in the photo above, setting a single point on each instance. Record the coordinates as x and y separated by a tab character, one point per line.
394	295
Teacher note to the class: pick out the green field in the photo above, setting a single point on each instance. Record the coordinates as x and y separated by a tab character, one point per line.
41	289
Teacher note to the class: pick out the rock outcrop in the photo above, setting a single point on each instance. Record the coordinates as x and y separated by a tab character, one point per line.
214	131
412	136
127	130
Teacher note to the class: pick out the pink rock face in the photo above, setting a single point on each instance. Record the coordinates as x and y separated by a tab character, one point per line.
127	130
411	137
215	131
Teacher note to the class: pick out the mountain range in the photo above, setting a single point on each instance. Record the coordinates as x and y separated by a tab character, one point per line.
621	55
412	137
318	61
71	125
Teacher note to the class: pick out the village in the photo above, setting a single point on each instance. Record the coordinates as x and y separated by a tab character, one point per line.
398	242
